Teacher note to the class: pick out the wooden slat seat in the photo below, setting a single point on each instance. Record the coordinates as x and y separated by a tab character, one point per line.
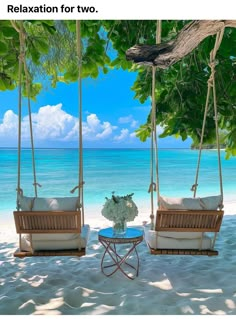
51	253
47	222
188	221
192	252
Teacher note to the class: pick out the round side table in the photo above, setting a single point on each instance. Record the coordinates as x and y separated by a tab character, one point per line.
112	259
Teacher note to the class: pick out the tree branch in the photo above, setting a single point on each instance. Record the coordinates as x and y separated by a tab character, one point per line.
165	54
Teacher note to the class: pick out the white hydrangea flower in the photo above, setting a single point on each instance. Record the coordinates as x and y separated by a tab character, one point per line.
120	208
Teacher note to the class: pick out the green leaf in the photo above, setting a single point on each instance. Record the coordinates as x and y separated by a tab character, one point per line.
71	75
50	28
184	135
35	54
35	89
105	70
49	23
71	25
3	48
143	132
42	45
9	32
2	85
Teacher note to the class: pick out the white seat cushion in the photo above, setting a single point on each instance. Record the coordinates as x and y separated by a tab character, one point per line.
58	236
176	235
156	241
56	241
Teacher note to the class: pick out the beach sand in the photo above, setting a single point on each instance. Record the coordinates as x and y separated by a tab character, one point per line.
166	285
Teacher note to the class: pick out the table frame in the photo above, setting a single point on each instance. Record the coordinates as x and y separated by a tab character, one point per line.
110	244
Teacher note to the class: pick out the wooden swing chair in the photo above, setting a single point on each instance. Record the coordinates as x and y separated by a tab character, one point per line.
48	226
185	226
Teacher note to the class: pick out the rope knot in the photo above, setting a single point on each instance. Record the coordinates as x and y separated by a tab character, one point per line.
152	187
78	186
27	80
37	184
22	57
194	187
212	65
19	191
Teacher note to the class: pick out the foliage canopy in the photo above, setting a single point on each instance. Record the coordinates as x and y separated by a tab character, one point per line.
180	90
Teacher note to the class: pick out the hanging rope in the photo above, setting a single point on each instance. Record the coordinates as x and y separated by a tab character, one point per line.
158	41
219	39
80	181
35	184
21	55
211	88
22	63
154	186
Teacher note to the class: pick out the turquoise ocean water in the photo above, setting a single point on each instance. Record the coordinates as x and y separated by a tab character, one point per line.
105	170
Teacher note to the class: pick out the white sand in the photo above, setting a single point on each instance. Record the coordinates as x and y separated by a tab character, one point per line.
166	285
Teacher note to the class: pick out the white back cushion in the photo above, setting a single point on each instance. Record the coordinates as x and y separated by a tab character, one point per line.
212	202
25	202
51	204
204	203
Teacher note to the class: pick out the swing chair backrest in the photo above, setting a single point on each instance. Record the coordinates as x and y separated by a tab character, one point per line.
189	220
48	215
189	214
39	222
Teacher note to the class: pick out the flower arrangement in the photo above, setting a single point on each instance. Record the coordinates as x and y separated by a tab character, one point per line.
120	208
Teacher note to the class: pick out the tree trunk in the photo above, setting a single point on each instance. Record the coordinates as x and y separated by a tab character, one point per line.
165	54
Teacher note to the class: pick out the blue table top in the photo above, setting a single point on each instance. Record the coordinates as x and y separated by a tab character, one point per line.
131	233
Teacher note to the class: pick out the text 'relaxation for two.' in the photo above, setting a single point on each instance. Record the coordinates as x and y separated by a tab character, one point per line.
48	9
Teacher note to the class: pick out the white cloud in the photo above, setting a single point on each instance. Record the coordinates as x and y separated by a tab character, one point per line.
93	122
124	134
134	124
9	124
107	130
93	129
128	120
133	135
52	126
51	123
125	119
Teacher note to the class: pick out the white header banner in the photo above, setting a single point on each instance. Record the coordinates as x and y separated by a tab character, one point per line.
117	9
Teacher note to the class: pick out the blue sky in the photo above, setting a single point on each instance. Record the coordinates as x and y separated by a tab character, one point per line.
110	115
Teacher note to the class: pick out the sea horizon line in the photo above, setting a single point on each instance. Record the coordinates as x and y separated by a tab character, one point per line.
99	148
